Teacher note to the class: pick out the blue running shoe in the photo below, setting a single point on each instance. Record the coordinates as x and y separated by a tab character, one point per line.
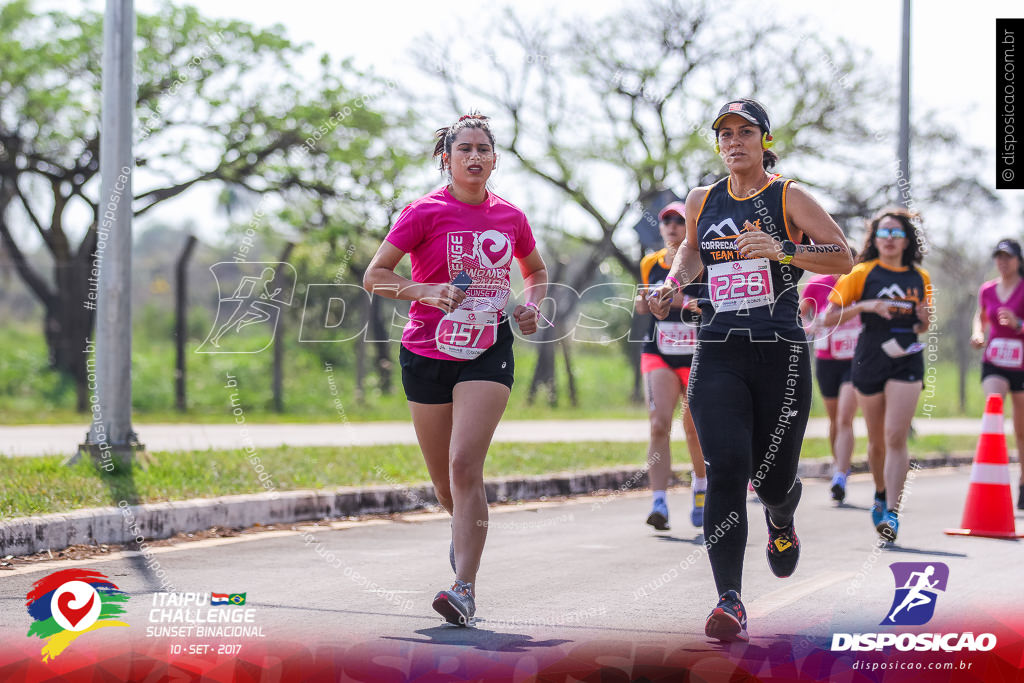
877	512
697	513
889	526
659	515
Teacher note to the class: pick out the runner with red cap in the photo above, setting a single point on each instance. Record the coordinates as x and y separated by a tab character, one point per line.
999	329
456	355
665	364
750	384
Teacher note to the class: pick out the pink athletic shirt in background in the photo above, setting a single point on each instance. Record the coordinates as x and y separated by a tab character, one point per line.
1005	347
444	236
841	341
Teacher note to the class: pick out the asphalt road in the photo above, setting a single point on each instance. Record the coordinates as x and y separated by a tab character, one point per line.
563	575
27	440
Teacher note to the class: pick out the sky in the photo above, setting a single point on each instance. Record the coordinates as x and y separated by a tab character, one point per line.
953	52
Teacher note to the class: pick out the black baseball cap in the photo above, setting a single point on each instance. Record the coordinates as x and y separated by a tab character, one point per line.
1011	247
747	108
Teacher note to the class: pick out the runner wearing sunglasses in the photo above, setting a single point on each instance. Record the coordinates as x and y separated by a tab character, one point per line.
893	297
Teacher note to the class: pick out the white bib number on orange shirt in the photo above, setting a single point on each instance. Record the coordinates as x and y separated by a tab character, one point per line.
742	284
675	338
466	334
1005	353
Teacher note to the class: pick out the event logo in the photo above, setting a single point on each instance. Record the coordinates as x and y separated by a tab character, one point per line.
71	602
246	320
917	584
493	249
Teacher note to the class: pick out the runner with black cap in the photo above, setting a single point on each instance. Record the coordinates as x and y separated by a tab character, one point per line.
999	329
893	297
665	365
754	233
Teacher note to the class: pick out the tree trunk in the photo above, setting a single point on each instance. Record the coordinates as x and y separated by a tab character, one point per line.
68	324
571	379
278	382
382	346
181	321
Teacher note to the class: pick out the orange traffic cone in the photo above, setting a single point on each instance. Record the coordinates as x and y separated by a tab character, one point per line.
989	508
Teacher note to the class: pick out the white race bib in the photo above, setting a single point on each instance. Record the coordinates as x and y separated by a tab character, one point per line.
465	334
1005	353
843	341
675	338
740	284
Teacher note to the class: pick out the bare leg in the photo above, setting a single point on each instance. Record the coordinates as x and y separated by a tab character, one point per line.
900	406
692	443
846	409
831	406
479	406
873	407
433	423
662	388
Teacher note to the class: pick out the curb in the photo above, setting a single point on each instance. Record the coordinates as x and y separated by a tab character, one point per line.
136	523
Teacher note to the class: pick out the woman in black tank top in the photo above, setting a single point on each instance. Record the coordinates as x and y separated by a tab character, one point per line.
750	386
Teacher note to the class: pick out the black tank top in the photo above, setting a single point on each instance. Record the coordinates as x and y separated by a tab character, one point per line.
653	271
739	298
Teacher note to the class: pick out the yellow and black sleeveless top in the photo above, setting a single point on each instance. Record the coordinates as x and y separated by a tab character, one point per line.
653	271
753	297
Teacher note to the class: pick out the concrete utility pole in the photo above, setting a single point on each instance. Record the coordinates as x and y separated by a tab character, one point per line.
110	435
903	153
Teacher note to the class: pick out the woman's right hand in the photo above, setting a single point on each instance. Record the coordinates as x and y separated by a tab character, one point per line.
978	341
879	307
446	297
660	300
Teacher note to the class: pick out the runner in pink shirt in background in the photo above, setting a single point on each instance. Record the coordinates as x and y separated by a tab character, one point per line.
456	356
999	329
833	351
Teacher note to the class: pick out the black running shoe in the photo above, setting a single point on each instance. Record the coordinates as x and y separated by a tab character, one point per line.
783	548
728	620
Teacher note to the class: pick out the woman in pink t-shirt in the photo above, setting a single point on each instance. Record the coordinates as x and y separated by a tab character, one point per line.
999	329
456	355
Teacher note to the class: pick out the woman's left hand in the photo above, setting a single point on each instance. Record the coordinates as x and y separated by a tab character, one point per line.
526	317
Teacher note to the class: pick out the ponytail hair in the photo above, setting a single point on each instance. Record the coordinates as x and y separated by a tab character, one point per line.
445	137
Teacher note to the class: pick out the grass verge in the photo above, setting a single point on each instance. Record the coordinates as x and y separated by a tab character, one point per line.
43	485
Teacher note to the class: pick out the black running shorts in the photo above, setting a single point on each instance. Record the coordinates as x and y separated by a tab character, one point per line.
872	368
831	374
432	380
1014	377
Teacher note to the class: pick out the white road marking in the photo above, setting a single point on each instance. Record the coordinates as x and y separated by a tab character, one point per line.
792	592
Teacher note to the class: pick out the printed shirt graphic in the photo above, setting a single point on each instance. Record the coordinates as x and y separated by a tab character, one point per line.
905	287
722	218
653	271
443	237
917	587
1005	347
842	336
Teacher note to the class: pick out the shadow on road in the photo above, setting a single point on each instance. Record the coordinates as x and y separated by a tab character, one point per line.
696	540
919	551
479	639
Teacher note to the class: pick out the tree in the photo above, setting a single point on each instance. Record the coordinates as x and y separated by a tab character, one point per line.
626	102
218	101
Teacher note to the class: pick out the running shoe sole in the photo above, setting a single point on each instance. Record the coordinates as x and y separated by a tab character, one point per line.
838	493
658	521
723	626
886	532
447	609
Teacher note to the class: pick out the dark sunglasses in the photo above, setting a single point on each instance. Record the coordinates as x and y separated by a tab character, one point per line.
673	218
